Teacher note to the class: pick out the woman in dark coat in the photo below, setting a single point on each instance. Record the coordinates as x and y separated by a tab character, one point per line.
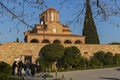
32	67
38	67
14	65
20	66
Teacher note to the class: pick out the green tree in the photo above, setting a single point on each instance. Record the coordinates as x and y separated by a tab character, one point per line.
89	30
5	71
71	57
116	59
108	60
17	39
94	62
100	56
52	52
43	64
83	63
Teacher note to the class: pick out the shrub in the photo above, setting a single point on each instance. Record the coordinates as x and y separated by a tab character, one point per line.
5	71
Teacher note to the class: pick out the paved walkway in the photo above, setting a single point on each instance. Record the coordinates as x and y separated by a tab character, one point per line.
96	74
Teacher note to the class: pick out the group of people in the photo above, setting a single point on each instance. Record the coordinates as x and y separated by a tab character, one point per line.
29	68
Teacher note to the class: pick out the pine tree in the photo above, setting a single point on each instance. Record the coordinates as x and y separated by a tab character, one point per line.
89	30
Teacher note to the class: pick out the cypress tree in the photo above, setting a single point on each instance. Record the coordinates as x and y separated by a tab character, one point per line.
89	29
17	39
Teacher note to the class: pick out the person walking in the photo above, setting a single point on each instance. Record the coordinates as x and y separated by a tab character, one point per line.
38	67
27	68
20	66
14	65
32	67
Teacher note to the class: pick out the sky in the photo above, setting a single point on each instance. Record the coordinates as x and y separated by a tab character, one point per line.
108	32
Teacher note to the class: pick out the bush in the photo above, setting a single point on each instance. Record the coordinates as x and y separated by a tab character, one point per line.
51	53
5	71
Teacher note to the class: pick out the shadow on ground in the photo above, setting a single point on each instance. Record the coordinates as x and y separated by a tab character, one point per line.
118	69
108	78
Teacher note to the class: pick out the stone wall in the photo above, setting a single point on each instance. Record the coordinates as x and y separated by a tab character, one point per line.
10	51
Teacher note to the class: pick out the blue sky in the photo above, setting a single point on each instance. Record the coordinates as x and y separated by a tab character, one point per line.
108	32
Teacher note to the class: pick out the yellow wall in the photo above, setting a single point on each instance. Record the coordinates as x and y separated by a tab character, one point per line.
9	51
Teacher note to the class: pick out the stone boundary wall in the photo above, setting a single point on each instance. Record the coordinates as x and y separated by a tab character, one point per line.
10	51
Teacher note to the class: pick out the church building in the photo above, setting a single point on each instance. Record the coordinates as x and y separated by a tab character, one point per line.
51	30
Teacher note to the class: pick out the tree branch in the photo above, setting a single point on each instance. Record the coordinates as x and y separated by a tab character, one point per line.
103	11
14	15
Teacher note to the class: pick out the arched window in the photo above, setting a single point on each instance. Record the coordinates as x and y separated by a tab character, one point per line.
56	41
34	41
45	41
67	42
77	42
52	16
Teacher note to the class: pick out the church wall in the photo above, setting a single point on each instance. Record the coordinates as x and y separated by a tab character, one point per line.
9	51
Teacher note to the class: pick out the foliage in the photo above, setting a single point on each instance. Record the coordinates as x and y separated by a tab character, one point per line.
82	63
103	59
100	56
71	57
103	10
89	29
108	59
17	39
94	62
115	43
52	52
5	71
19	10
116	59
44	64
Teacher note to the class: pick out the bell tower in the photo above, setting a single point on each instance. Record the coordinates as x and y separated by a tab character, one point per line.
50	15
